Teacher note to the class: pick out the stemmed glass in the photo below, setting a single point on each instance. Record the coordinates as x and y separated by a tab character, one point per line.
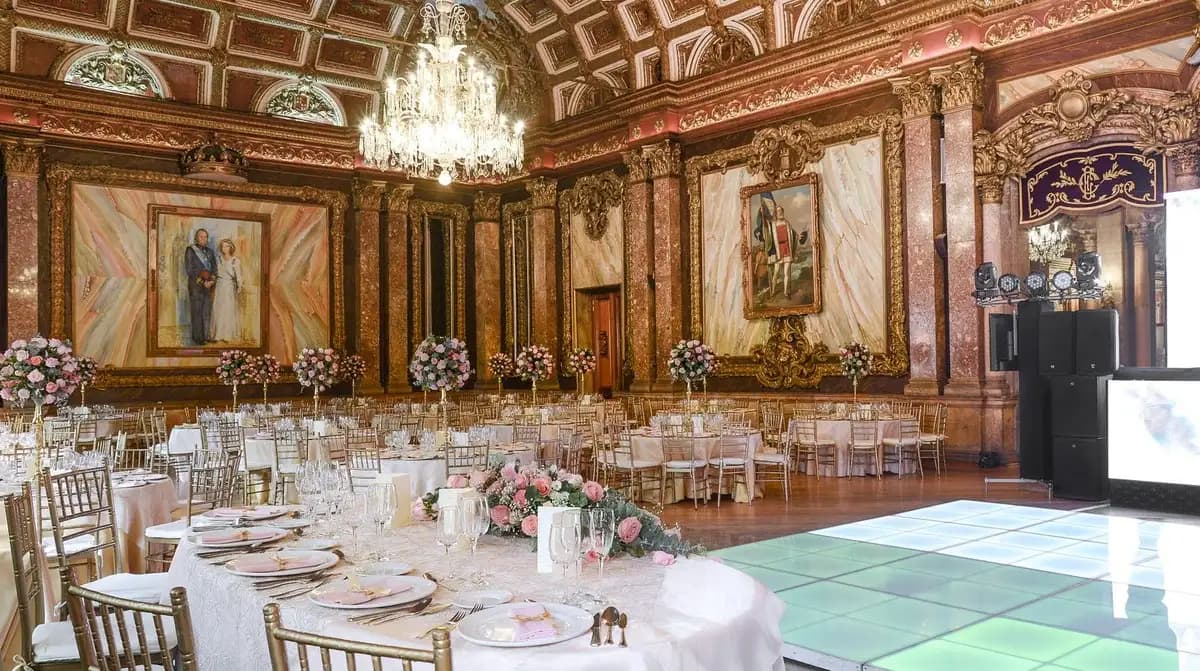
308	486
476	520
381	505
566	543
353	514
448	527
602	526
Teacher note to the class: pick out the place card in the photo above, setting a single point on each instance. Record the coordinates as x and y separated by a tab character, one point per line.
546	516
402	516
697	425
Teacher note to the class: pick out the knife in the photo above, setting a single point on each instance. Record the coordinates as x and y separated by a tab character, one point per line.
596	631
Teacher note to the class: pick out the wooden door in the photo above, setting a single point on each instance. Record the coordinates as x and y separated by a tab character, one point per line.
606	334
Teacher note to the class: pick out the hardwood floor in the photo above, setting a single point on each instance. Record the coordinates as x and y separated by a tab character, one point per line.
830	501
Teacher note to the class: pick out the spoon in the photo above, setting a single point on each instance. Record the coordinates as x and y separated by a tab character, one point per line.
609	616
429	576
622	621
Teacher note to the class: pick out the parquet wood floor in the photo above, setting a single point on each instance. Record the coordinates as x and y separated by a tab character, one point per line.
816	504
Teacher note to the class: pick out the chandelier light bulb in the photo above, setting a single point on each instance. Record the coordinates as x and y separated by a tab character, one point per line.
444	178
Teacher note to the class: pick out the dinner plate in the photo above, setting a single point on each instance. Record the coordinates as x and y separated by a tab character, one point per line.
327	559
253	513
484	597
275	534
494	627
292	522
417	589
386	568
312	544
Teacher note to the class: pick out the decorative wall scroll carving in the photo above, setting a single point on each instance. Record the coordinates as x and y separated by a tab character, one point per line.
726	51
1076	111
1091	179
997	160
836	14
591	198
889	126
917	95
1061	15
780	154
788	359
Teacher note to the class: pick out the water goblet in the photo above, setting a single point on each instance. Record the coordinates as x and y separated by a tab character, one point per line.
601	530
566	544
353	513
381	505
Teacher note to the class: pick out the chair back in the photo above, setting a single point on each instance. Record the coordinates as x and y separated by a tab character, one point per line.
462	459
210	482
679	448
25	547
116	634
291	449
910	430
315	651
526	433
733	446
363	465
802	432
863	434
81	506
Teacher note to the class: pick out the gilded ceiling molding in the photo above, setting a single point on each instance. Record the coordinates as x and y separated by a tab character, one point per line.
486	206
961	84
22	159
1061	15
61	176
591	198
584	152
663	158
635	163
419	212
543	192
890	128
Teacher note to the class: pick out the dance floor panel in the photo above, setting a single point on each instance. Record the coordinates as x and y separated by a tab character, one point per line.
987	587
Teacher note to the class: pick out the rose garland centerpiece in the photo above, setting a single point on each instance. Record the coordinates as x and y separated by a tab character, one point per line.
319	368
354	368
443	364
88	369
579	362
514	494
501	366
266	371
856	360
236	367
42	370
691	360
534	363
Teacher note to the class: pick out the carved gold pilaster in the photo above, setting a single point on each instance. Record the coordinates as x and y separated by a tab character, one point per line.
543	191
488	282
662	158
917	95
368	196
961	84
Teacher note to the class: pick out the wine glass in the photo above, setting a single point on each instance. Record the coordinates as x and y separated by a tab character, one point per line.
601	529
381	505
475	520
565	544
353	514
448	529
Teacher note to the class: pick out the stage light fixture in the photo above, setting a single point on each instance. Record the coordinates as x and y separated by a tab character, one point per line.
1063	280
1087	271
985	281
1010	284
1036	285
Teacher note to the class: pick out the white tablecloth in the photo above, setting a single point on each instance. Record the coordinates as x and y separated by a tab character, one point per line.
549	432
733	624
136	508
184	439
838	430
427	475
647	445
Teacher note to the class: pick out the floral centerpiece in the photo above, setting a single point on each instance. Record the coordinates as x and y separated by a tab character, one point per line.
88	369
443	364
579	362
319	368
236	367
42	370
856	360
534	363
500	365
514	495
266	371
689	361
354	368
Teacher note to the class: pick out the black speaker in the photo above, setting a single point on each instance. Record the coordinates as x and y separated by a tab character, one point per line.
1056	343
1078	405
1096	350
1002	342
1081	468
1033	401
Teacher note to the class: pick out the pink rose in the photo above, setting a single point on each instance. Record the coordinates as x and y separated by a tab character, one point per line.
509	472
628	529
456	481
529	525
418	512
51	387
519	499
593	490
521	482
542	485
35	360
500	515
477	479
662	558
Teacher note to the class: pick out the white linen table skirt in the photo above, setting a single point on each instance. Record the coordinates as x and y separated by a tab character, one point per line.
646	445
425	475
184	439
838	430
733	624
135	509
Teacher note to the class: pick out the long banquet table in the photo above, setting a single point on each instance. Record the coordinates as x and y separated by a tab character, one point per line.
731	625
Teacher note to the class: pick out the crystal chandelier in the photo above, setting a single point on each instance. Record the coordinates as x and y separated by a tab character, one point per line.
1048	242
441	120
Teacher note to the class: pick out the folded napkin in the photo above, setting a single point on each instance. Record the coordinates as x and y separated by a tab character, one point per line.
532	623
355	595
236	536
272	563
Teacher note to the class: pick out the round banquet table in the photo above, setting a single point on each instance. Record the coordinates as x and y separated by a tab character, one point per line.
672	625
647	444
135	509
184	439
428	474
838	430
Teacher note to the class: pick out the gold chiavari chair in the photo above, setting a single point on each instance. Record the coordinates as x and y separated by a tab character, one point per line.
530	434
680	459
776	466
772	425
730	459
314	650
291	451
629	474
81	514
115	634
462	459
210	485
904	448
864	442
568	451
84	430
932	440
901	408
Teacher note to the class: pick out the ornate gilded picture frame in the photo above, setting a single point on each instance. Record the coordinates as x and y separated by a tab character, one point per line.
781	248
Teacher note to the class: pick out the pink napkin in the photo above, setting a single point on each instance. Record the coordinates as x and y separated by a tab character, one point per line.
353	597
533	623
272	563
236	536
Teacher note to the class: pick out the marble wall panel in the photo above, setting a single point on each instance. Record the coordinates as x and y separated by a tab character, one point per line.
597	263
487	296
854	273
109	272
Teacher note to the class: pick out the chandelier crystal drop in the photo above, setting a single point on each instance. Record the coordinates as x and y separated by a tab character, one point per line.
440	122
1048	242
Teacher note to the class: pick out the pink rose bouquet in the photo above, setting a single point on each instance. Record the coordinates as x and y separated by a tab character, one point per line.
500	365
856	360
354	368
534	363
580	362
691	360
318	367
441	363
43	370
235	367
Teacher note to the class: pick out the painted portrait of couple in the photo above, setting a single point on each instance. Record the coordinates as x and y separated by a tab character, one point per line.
210	291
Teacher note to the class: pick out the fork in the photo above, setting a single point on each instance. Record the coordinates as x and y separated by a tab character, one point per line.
458	617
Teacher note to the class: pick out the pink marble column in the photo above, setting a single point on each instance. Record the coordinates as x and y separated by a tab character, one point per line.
22	162
398	308
639	249
961	100
666	172
543	251
368	197
486	213
1141	231
922	172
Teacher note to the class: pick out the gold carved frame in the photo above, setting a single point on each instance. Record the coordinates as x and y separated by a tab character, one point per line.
771	154
61	176
747	193
155	211
418	212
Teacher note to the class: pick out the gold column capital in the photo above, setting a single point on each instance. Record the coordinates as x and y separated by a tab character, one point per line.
961	84
917	94
398	196
368	195
639	171
663	159
486	206
544	192
22	158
